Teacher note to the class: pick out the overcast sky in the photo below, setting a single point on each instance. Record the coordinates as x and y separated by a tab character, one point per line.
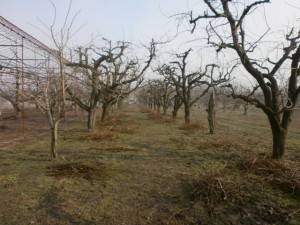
131	20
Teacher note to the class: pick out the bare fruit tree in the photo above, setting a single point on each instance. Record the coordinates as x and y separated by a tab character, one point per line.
92	75
110	76
185	81
165	93
217	76
122	73
47	97
227	15
11	92
157	93
50	96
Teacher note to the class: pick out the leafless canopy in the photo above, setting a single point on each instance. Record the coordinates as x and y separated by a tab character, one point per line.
227	29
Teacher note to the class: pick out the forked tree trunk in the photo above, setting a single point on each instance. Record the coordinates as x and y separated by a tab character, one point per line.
211	113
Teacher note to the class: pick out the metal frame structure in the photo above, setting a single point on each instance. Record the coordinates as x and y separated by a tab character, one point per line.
20	51
23	60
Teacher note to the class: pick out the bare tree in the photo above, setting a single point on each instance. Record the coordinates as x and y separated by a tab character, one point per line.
144	95
185	82
231	15
216	77
109	75
121	74
92	73
11	91
159	92
47	98
166	94
51	98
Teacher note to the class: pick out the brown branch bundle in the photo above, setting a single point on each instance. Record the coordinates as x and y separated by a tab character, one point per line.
214	188
277	173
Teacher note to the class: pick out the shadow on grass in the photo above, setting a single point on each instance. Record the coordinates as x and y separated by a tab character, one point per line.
54	210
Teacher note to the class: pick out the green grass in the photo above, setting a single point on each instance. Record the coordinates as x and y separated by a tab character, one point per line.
151	172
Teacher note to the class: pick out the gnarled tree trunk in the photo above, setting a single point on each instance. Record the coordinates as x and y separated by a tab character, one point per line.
106	107
92	115
279	137
176	107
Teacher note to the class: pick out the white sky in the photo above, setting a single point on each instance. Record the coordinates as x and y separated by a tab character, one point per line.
137	21
132	20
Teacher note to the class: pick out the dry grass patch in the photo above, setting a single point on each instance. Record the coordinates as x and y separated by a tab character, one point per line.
192	126
144	109
113	120
221	144
168	119
114	149
3	127
118	124
128	129
100	135
155	116
160	117
77	170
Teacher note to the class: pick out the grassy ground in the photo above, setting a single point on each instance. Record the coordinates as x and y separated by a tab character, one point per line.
143	168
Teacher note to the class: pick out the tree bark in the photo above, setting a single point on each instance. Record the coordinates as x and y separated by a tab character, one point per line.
187	113
165	110
211	113
92	115
246	106
62	83
176	106
279	137
54	138
105	111
158	108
